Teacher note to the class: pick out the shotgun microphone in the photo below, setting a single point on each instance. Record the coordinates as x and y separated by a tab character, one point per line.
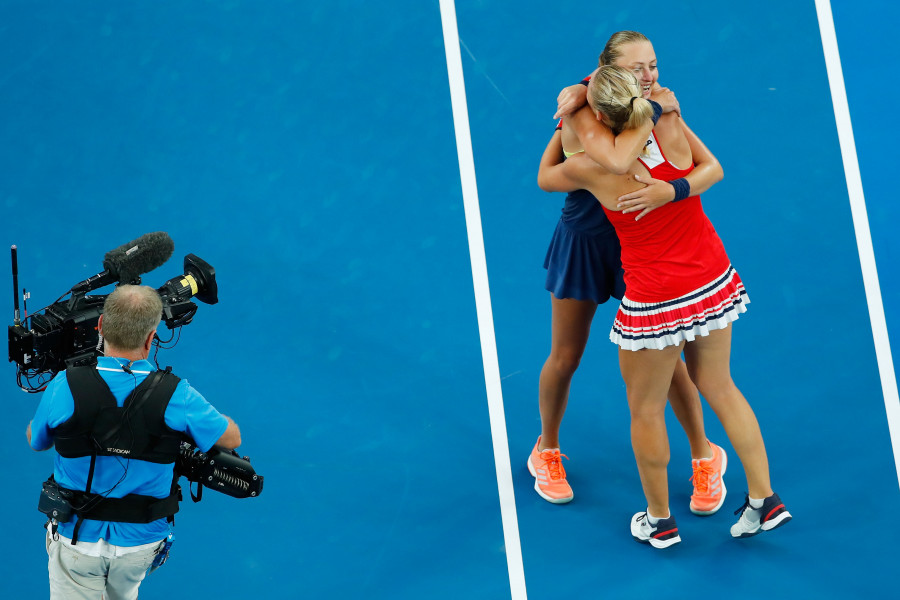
127	262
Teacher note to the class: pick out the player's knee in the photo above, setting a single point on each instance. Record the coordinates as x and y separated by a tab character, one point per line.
566	361
648	413
713	386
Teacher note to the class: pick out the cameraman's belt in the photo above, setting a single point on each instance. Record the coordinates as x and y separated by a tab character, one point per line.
133	508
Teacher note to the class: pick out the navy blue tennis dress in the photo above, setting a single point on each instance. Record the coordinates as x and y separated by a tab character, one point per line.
584	259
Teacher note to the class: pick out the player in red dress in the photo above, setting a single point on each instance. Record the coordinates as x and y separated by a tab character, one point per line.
584	270
681	295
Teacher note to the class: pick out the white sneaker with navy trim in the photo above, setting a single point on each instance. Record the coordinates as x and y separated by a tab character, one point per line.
661	535
771	515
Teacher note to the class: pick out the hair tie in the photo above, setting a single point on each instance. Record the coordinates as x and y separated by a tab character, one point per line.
633	98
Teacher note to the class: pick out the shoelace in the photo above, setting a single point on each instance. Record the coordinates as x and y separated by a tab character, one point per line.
554	464
644	522
745	506
701	477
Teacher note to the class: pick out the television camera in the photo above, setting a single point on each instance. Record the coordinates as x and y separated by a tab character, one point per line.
65	333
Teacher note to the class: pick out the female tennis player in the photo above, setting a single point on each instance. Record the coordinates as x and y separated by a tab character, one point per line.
584	269
682	294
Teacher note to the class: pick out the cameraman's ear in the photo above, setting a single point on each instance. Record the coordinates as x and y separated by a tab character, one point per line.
100	325
149	341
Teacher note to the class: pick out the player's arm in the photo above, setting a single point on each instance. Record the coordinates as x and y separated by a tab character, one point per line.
615	153
553	155
571	98
707	170
553	174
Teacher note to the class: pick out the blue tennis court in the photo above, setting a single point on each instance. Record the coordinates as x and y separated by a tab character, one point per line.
307	151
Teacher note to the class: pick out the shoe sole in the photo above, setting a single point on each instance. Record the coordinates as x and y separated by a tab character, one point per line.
665	543
744	536
706	513
658	543
541	493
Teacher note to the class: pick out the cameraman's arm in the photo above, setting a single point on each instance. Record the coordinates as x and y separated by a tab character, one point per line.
53	409
231	439
189	412
42	447
28	432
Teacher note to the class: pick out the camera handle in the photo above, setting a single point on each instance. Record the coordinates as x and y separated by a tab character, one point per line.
15	273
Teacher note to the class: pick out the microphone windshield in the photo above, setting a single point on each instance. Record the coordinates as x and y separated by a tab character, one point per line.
142	255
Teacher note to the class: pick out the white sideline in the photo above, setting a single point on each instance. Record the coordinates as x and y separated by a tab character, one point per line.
861	224
483	301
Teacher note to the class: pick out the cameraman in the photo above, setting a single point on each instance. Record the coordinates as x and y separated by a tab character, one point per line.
107	546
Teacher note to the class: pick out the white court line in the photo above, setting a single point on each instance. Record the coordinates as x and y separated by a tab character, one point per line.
483	301
861	224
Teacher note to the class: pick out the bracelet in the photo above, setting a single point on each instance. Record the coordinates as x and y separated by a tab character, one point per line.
657	111
682	188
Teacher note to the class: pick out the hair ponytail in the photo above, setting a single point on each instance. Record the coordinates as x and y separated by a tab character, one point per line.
641	110
615	92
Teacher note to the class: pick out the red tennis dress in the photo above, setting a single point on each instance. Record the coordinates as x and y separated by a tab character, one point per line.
679	283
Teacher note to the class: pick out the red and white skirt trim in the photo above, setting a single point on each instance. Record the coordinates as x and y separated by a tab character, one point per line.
657	325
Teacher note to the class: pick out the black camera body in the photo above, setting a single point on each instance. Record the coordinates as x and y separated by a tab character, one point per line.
60	337
65	334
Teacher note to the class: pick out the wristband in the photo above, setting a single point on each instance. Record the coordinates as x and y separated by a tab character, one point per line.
682	188
559	125
657	111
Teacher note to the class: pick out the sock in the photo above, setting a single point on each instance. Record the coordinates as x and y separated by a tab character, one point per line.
754	503
654	520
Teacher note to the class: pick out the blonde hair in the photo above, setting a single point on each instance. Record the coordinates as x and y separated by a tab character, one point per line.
130	313
613	49
615	92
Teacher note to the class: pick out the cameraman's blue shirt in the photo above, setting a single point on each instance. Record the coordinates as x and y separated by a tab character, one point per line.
188	412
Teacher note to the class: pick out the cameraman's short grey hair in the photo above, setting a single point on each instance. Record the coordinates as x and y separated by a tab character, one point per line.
130	313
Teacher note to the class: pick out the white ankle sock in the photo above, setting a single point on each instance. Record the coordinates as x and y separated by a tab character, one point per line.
754	503
654	520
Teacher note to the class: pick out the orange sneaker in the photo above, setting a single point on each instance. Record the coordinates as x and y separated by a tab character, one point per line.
549	475
709	488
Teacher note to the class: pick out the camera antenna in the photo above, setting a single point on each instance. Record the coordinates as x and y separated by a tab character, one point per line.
15	272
